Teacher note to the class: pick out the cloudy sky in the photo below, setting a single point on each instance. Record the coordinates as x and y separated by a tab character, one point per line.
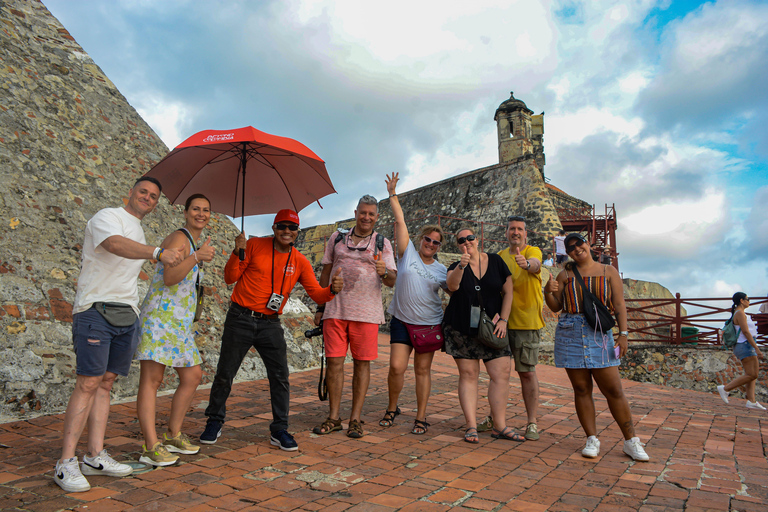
660	107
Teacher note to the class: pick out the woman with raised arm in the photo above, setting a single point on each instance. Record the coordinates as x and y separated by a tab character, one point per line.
747	352
585	352
167	339
416	308
477	280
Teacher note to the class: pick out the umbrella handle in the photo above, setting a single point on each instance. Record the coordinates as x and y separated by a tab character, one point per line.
242	254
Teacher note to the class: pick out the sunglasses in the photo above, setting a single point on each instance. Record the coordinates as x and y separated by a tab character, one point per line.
281	227
436	243
515	218
573	246
468	238
361	249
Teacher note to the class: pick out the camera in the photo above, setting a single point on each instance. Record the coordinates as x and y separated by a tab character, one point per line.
275	301
311	333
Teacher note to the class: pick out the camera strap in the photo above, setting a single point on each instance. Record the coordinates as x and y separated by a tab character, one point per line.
285	269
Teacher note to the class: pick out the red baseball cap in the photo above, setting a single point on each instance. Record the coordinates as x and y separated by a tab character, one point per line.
286	215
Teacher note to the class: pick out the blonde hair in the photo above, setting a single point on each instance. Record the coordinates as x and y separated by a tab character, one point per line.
430	228
465	228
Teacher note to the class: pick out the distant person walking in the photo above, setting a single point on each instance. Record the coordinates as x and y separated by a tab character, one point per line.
167	339
585	352
416	303
747	352
560	255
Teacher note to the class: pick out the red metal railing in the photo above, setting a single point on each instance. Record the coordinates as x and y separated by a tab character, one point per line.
663	321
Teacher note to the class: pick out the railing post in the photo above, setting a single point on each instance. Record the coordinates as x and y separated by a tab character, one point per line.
678	320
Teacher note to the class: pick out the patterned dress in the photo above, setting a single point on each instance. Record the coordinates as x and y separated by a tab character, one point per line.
167	314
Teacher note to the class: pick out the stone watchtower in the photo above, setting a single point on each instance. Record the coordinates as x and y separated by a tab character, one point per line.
520	132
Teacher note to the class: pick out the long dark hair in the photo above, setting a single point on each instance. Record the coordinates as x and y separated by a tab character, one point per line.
737	298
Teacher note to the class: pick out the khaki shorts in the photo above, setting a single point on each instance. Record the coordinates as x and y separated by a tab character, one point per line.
525	349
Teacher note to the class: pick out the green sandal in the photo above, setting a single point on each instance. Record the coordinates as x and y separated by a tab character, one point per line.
389	418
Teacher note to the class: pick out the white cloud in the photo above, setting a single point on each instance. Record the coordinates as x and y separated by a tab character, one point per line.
687	222
170	119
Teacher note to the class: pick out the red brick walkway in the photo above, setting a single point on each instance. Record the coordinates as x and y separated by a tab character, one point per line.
704	456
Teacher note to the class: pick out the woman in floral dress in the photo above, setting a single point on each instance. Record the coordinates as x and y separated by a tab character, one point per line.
167	339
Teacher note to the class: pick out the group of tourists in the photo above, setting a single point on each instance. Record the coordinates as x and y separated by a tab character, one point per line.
494	314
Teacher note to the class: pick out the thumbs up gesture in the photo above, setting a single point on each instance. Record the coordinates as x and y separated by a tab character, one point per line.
520	259
464	261
552	286
337	282
206	252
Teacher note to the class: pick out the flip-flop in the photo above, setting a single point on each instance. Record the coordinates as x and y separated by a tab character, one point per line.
508	434
419	427
389	418
470	436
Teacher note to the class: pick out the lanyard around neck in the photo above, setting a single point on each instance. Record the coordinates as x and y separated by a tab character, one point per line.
285	269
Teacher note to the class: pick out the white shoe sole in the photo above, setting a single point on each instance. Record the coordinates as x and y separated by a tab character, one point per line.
150	462
590	456
275	442
85	469
70	487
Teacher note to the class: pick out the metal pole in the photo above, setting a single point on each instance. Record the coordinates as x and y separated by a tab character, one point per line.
242	203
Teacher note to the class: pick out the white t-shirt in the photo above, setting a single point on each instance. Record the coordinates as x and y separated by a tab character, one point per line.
416	299
106	277
763	307
560	245
752	327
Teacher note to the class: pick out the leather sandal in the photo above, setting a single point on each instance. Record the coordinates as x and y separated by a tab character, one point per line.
419	427
508	434
470	435
328	426
389	418
355	429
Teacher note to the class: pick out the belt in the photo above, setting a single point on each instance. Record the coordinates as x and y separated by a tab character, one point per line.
255	314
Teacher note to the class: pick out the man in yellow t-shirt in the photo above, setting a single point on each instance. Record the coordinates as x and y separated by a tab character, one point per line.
525	318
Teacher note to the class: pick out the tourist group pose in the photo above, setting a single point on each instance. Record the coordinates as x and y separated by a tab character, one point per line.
494	314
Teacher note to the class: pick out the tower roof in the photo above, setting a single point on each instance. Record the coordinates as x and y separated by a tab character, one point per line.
512	105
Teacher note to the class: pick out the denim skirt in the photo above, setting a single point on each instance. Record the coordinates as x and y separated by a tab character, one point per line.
742	350
577	345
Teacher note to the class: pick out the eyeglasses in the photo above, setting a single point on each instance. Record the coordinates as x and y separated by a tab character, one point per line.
515	218
570	248
281	227
468	238
436	243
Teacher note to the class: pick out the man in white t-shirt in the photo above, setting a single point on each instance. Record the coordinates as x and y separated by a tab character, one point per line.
560	256
104	328
351	321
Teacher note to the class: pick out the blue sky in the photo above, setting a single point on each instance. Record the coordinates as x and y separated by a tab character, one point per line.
660	107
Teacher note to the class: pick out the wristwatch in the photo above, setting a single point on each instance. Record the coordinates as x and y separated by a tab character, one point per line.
386	273
624	333
529	265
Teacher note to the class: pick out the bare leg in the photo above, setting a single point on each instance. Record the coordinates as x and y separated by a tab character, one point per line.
469	370
498	390
97	419
609	382
78	410
149	382
751	366
422	367
189	379
361	377
529	382
399	354
334	379
581	381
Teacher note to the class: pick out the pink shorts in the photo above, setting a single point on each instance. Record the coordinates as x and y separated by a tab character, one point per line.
362	338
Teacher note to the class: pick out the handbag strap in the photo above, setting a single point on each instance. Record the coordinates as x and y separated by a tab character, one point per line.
192	245
583	286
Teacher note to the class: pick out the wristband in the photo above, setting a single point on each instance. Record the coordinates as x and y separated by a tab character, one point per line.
156	253
160	254
393	195
462	268
529	265
624	333
194	253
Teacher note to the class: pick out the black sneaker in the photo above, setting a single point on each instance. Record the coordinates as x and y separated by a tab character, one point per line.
211	433
284	440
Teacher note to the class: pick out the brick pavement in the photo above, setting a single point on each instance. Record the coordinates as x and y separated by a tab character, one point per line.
704	456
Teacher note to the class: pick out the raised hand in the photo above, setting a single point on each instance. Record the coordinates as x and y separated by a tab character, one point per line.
520	259
552	286
337	282
391	182
240	241
206	251
464	261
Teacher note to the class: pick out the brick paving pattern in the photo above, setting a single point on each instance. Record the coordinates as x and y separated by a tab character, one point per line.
704	456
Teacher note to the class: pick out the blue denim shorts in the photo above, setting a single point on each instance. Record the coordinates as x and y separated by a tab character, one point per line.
398	333
101	347
743	350
578	346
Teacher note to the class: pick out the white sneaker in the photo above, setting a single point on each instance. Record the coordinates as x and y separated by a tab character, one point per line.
634	448
723	393
103	464
755	405
68	476
592	449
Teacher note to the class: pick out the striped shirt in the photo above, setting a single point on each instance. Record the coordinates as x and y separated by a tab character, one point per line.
572	292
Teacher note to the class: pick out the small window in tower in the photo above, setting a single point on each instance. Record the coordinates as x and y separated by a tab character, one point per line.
511	129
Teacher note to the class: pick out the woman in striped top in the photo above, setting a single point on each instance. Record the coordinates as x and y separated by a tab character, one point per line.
585	352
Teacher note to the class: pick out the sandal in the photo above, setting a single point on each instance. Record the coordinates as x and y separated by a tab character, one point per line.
355	429
508	434
470	435
419	427
389	418
328	426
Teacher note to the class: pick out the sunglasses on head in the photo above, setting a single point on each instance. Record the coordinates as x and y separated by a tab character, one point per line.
578	243
436	243
515	218
281	227
468	238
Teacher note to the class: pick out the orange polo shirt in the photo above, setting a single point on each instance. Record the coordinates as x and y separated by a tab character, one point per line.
254	276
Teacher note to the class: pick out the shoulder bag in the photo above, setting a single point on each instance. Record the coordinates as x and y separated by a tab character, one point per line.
486	326
595	312
425	338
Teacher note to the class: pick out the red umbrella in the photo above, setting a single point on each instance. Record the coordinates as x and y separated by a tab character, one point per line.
281	172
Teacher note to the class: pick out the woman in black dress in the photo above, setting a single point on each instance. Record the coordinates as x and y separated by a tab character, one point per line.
490	273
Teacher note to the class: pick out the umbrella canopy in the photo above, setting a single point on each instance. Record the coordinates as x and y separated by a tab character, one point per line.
243	172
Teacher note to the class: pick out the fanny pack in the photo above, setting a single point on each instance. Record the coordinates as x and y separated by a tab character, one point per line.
118	315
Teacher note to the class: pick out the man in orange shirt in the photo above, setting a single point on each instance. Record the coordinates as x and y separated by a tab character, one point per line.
265	278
